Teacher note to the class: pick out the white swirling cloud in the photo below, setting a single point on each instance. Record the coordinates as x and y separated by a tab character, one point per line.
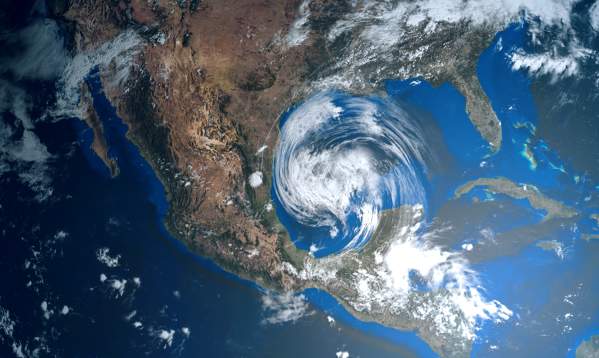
338	161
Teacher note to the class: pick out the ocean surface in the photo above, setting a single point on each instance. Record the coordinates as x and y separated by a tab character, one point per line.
551	296
91	272
550	293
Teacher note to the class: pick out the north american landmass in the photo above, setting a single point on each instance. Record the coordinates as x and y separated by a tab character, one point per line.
207	85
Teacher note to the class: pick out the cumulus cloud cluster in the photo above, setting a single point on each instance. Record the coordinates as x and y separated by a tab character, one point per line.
103	255
285	307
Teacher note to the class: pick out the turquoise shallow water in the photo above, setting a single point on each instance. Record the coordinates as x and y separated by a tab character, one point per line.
532	279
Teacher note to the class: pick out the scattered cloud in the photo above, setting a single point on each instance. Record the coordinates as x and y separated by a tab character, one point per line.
331	321
285	307
379	28
46	310
7	325
299	31
166	336
550	63
130	315
594	16
255	179
186	331
118	287
42	53
60	235
21	150
103	255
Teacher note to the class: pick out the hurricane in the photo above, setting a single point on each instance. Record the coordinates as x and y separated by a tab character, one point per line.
342	160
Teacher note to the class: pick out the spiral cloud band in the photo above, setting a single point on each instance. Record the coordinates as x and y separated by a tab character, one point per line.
343	159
